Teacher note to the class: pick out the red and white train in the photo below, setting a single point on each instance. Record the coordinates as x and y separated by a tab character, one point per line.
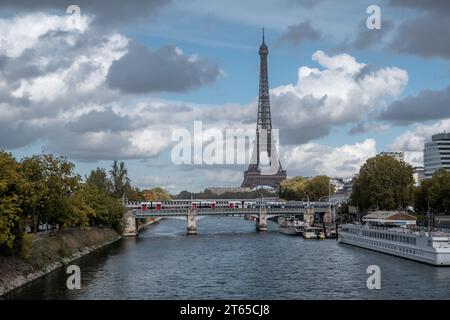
210	204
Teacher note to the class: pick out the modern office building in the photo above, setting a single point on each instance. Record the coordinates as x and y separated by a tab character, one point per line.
400	156
436	154
419	175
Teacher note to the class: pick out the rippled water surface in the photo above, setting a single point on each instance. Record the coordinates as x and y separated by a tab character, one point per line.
228	259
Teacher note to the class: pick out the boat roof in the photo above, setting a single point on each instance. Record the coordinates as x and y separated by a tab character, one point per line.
390	217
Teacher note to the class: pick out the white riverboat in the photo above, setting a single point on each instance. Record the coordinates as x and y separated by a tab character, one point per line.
431	247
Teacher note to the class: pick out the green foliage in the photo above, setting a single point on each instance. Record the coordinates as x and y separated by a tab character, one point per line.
53	183
434	193
43	189
119	179
101	198
63	252
383	183
300	188
293	189
82	211
12	187
156	194
99	179
27	242
318	187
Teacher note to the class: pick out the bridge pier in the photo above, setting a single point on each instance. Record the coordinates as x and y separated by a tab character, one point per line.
130	225
261	222
308	216
191	222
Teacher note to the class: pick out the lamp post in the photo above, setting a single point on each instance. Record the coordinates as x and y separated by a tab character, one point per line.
329	198
305	200
333	214
323	220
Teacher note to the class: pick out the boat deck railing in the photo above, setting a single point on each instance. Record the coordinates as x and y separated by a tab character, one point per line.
413	231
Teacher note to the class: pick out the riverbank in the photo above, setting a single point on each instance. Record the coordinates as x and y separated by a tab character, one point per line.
49	251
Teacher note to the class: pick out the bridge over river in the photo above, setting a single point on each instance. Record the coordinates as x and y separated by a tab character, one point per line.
191	215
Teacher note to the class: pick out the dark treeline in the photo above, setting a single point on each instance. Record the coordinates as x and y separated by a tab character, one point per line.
42	192
434	194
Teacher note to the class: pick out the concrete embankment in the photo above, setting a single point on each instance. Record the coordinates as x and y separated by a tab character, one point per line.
48	251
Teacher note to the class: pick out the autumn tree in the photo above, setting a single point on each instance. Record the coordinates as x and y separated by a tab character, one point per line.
156	194
300	188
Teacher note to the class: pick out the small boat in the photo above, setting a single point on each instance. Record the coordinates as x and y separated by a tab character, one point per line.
291	226
331	234
313	233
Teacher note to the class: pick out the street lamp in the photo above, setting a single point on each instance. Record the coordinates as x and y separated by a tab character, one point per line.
329	203
262	202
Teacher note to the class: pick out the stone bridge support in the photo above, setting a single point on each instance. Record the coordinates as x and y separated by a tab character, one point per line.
130	224
308	216
261	222
192	222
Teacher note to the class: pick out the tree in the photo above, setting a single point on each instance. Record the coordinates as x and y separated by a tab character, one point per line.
82	212
108	210
319	187
383	183
184	195
99	178
156	194
12	187
43	189
119	178
134	194
434	193
37	194
292	189
439	192
53	182
300	188
421	196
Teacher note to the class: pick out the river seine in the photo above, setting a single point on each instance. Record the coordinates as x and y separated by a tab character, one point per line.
228	259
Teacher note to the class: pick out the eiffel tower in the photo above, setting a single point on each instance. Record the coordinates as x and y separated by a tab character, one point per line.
256	175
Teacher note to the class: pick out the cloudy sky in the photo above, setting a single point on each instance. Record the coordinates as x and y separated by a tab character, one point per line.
120	80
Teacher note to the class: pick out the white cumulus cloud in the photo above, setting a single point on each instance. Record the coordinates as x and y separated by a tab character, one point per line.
343	161
344	91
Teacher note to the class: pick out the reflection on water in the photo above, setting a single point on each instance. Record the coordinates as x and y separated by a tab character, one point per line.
230	260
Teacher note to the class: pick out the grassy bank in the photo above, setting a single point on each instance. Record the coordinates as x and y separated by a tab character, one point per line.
46	252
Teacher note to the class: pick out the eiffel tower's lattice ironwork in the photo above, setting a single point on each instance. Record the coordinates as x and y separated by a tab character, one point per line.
254	177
